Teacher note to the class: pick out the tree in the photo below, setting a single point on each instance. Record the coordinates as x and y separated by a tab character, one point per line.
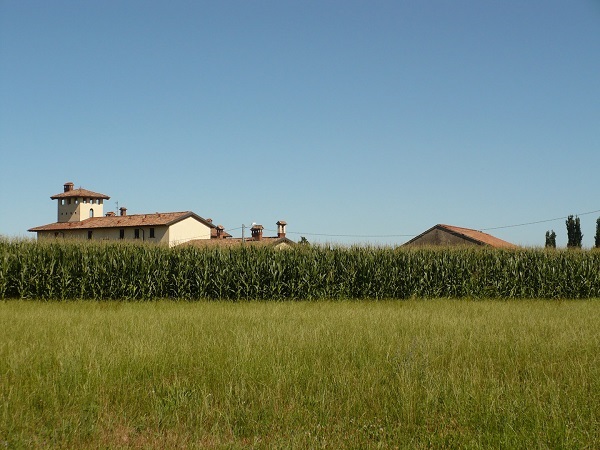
597	239
550	239
574	236
303	241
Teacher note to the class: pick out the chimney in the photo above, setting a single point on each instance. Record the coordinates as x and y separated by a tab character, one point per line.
68	186
220	230
281	228
257	231
110	214
123	211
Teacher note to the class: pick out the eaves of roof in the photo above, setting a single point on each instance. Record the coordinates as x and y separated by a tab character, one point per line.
84	193
133	220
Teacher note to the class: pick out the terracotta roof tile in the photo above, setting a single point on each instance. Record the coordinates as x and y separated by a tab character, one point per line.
234	242
475	236
479	236
133	220
80	193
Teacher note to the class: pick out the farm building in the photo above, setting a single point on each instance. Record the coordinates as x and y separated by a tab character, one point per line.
256	238
448	235
81	216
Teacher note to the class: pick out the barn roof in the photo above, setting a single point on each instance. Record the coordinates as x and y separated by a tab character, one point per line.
475	236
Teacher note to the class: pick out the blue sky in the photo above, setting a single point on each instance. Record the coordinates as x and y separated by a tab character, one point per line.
354	121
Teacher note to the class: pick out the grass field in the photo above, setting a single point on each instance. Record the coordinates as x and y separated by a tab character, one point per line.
388	374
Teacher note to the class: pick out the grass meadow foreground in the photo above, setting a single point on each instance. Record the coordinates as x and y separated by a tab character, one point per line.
345	374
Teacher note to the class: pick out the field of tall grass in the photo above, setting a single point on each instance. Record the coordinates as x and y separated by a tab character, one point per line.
105	270
328	374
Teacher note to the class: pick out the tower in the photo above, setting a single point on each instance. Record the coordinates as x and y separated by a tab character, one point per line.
76	205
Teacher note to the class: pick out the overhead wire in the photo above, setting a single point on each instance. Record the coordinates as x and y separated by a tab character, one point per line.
416	234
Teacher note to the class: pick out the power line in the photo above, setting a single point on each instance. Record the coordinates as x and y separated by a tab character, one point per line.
416	234
539	221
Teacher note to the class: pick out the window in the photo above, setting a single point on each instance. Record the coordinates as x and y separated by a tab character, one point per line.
89	234
69	201
91	212
121	233
151	232
85	200
136	233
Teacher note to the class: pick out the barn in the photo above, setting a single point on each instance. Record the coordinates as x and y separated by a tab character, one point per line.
450	235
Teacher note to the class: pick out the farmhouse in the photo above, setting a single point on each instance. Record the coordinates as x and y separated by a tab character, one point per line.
81	216
449	235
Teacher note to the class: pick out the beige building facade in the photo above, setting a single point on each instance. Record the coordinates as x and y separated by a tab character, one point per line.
80	215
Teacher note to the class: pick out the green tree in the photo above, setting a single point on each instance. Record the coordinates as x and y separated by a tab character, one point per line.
597	238
550	239
574	236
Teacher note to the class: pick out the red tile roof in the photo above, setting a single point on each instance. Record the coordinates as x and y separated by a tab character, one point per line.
234	242
479	236
80	193
475	236
133	220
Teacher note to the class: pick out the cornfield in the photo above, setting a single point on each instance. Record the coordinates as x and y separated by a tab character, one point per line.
69	270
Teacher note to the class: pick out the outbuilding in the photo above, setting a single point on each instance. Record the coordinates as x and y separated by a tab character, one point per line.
449	235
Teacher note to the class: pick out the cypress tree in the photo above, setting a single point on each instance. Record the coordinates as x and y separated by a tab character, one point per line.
597	238
574	236
550	239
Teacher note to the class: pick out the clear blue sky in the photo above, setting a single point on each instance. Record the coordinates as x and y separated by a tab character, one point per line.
356	118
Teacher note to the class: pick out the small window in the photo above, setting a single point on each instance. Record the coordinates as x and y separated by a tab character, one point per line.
85	200
136	233
69	201
89	234
151	232
121	233
91	212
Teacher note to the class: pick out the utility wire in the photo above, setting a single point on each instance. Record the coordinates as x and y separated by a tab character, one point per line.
416	234
539	221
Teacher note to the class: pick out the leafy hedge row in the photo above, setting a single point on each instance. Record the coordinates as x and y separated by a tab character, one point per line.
68	270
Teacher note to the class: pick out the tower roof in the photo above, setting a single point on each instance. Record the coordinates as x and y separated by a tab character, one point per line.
80	193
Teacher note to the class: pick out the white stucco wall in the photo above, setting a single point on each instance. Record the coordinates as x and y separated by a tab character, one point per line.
77	210
113	234
186	230
178	233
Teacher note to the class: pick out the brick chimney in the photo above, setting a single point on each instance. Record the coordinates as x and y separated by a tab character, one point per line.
281	228
257	232
68	186
110	214
123	211
220	230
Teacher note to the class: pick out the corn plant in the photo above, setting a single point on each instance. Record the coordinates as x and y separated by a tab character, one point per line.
100	271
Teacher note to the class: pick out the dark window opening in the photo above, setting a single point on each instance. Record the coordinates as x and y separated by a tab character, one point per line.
136	233
89	234
121	233
151	232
